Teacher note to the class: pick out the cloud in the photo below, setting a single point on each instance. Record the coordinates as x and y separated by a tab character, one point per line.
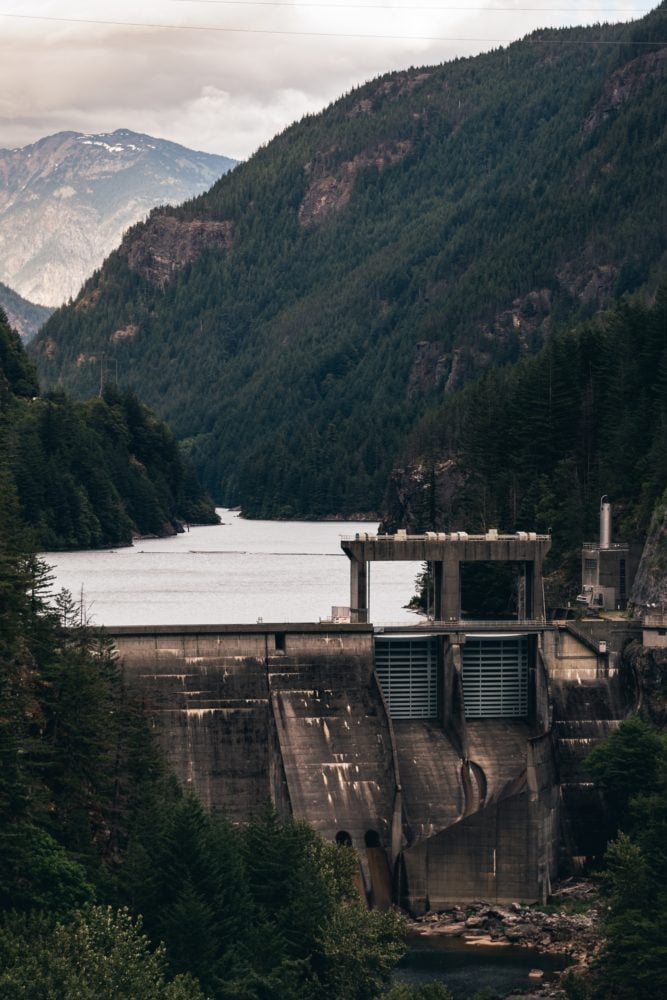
225	91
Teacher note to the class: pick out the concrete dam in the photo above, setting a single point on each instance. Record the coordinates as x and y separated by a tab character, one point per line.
441	752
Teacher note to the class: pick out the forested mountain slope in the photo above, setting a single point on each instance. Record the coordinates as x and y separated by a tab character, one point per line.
536	444
88	474
294	322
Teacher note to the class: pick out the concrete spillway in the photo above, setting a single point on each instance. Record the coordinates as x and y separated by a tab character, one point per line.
439	809
438	753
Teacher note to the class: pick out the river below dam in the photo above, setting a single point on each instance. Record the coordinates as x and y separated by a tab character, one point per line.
465	969
237	572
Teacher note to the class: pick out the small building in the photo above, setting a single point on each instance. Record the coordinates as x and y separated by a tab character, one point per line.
607	568
654	629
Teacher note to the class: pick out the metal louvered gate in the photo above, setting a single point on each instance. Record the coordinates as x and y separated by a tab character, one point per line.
406	668
495	676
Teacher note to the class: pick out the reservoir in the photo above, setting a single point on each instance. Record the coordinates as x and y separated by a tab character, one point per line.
233	573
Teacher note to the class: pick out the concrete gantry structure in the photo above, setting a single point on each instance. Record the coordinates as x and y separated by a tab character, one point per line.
446	552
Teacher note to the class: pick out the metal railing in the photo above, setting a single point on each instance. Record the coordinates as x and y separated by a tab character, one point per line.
469	625
605	548
452	536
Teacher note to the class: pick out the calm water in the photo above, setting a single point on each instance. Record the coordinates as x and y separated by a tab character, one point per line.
235	572
465	970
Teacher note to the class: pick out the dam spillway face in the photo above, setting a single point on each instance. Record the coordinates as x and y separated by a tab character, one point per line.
369	740
442	754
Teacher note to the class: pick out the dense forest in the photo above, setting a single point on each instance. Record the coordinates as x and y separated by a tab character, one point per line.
94	473
294	323
631	770
534	445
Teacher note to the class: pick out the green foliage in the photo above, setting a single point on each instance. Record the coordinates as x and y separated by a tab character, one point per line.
627	764
427	991
73	748
17	373
35	871
192	891
632	767
513	197
268	910
99	954
359	951
540	441
90	474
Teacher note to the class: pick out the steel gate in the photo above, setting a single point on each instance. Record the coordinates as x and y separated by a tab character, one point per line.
406	668
495	676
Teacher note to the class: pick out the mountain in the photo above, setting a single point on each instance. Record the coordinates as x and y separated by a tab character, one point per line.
295	322
66	200
24	317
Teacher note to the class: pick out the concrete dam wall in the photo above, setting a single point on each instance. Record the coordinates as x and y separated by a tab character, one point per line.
441	809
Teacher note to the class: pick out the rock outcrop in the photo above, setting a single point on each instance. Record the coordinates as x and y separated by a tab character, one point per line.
423	497
650	586
649	666
166	244
554	930
331	186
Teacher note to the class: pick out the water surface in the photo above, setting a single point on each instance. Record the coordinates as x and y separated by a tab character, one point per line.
467	969
233	573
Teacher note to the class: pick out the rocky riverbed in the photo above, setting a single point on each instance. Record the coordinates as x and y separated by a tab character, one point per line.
568	926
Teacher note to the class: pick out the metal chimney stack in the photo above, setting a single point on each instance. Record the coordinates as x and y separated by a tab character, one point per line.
605	525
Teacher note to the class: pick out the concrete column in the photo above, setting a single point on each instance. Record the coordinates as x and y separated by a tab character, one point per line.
438	605
521	593
451	588
529	576
534	595
358	591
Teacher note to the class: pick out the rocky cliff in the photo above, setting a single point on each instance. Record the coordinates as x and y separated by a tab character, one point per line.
650	586
424	496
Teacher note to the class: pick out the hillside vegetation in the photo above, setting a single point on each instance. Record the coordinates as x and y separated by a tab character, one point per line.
89	474
294	323
534	445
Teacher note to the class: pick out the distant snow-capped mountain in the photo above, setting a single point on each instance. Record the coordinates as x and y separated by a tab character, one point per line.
66	200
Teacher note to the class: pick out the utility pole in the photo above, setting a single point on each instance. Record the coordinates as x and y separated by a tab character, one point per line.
104	375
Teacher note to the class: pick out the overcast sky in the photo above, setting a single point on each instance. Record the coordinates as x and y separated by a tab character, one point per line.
226	76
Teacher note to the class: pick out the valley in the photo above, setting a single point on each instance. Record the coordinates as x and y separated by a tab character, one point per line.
417	339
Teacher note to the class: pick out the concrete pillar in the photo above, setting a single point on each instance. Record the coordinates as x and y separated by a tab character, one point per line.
534	592
521	594
438	605
358	591
451	588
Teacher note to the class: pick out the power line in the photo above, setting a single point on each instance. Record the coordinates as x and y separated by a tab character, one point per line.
313	34
426	7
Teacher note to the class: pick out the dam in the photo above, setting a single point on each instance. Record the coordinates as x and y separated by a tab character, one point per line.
432	749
